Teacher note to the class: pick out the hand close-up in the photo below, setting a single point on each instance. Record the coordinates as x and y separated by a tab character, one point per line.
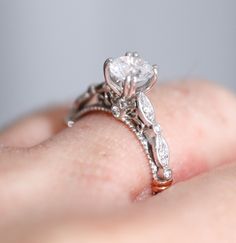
91	182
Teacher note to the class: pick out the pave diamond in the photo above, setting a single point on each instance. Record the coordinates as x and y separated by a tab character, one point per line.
167	174
162	151
115	111
157	128
146	108
124	66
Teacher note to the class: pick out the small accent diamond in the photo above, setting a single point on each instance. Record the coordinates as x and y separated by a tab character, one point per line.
115	111
123	103
162	151
157	128
146	108
167	174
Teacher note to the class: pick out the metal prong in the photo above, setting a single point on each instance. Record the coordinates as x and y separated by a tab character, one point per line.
126	88
106	71
135	54
155	69
107	76
129	54
129	86
153	79
132	88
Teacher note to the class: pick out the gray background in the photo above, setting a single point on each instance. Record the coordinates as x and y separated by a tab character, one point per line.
51	50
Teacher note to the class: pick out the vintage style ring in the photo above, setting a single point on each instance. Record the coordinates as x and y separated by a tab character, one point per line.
127	79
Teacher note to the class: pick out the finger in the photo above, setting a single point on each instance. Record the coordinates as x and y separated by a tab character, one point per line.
35	128
199	121
105	162
200	210
99	164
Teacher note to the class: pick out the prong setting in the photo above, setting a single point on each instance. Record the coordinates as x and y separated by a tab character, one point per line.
132	88
106	70
127	79
129	87
155	69
135	54
107	76
129	54
118	70
126	87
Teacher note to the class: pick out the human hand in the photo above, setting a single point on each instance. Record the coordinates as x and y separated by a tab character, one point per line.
81	184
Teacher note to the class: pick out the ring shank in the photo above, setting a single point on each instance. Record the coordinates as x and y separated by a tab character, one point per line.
96	99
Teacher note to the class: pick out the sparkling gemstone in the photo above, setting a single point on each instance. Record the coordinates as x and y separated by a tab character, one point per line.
123	103
167	174
162	150
157	128
115	111
146	108
124	66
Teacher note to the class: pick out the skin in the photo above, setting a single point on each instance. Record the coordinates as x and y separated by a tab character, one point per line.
91	183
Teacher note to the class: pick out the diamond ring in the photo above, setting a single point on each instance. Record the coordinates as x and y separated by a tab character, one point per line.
127	79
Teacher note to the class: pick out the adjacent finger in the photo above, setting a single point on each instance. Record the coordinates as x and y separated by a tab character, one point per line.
35	128
200	210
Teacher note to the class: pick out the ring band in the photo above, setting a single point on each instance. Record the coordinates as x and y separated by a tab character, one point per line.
127	78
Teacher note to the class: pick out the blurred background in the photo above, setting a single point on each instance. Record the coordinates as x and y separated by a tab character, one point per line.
50	50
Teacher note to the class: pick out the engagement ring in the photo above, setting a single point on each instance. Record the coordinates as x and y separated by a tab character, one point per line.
127	79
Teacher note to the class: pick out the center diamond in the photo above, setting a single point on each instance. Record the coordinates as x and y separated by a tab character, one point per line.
133	66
